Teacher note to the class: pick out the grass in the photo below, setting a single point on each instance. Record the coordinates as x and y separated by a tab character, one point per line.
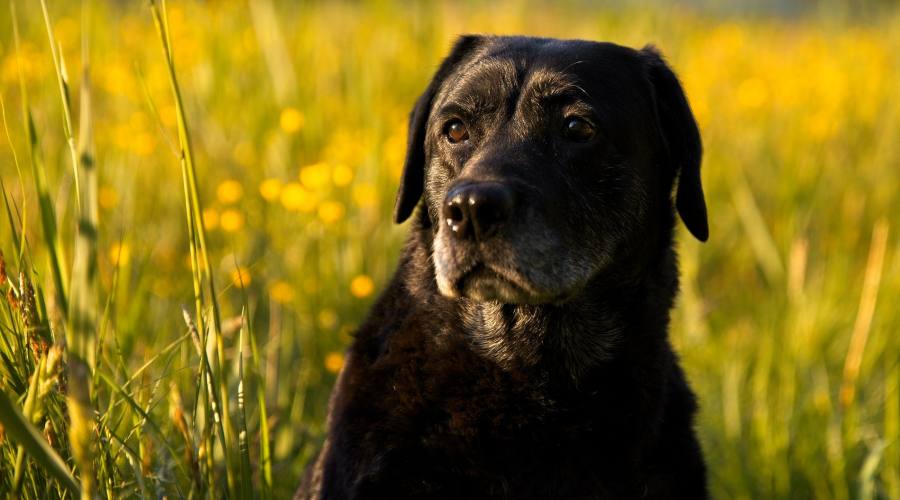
184	264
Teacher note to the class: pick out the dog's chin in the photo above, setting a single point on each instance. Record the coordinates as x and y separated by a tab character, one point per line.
483	283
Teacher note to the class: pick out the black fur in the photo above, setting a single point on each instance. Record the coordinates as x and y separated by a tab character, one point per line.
568	388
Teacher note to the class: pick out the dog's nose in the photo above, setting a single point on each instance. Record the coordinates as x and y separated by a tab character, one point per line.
477	210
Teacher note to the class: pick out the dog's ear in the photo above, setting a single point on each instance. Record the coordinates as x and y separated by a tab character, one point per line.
682	141
412	183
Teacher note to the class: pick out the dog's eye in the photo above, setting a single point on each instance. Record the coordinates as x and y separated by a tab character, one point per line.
456	131
577	129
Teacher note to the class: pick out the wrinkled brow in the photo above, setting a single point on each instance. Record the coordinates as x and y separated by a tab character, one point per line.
551	85
481	87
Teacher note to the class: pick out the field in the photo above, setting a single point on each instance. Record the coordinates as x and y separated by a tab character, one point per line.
194	222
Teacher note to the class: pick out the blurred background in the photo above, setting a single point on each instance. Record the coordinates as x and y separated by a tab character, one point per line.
787	322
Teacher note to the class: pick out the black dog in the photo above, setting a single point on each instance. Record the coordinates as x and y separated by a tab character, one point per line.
521	350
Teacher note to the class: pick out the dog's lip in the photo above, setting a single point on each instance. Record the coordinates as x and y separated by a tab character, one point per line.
529	294
482	269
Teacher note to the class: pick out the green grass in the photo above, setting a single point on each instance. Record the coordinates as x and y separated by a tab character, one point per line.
184	263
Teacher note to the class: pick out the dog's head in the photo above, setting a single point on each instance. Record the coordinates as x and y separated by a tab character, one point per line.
543	163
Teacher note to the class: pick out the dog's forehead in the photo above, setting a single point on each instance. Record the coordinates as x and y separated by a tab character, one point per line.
539	67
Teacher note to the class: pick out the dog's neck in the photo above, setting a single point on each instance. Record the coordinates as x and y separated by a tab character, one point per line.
520	337
568	340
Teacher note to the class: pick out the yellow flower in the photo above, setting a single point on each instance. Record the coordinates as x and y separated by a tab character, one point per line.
241	277
331	211
334	361
291	120
270	189
365	195
316	176
143	143
362	286
297	198
229	191
342	175
116	78
327	318
210	218
752	93
120	253
107	197
231	220
281	292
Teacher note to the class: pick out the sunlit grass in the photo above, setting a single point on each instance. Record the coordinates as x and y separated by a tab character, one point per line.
186	261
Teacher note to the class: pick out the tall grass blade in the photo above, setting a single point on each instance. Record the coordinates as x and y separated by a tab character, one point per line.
84	298
758	234
197	233
24	201
265	452
20	429
28	412
62	80
55	249
246	481
865	312
160	434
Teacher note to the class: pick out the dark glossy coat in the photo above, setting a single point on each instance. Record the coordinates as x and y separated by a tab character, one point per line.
578	397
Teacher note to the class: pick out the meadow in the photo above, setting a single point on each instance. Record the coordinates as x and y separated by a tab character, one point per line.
196	214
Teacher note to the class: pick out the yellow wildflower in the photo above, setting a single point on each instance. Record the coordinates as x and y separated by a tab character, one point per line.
281	292
229	191
297	198
231	220
752	93
143	143
331	211
316	176
327	318
362	286
241	277
120	253
116	78
342	175
210	218
291	120
270	189
334	361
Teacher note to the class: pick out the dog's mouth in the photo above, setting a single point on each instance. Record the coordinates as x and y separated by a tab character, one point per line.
484	282
497	274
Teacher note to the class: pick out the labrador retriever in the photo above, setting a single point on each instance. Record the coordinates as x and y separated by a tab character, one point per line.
521	349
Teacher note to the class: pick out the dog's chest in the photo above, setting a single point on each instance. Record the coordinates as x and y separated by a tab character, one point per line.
451	400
